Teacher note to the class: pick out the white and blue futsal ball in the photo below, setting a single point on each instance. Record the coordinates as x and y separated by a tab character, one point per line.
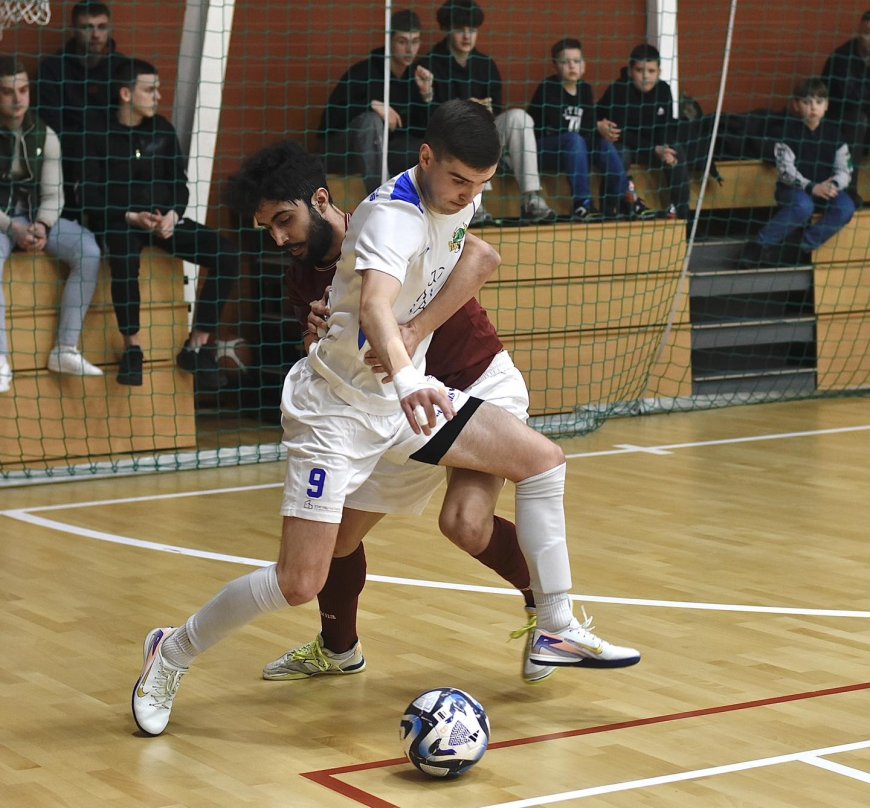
444	732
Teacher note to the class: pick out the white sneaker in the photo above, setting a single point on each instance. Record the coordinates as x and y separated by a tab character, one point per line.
577	646
532	672
312	659
157	685
535	209
5	376
63	359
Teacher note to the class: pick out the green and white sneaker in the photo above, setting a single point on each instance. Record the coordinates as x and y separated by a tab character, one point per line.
157	685
312	659
532	672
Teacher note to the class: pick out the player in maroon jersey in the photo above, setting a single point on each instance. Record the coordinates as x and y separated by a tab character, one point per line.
466	354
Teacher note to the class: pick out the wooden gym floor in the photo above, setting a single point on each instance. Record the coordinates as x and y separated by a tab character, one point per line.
729	546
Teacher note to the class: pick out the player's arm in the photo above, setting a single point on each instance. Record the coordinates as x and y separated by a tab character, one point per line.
477	265
379	292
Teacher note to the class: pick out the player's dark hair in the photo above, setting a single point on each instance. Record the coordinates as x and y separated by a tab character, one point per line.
456	14
405	20
569	43
464	130
812	87
11	66
283	171
126	74
89	10
644	53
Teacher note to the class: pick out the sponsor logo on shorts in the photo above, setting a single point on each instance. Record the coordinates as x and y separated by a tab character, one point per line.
319	507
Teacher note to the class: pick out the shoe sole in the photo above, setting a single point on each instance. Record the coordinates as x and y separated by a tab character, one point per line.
585	662
287	677
546	672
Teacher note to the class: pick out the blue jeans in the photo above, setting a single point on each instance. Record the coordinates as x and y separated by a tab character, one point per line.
569	153
796	208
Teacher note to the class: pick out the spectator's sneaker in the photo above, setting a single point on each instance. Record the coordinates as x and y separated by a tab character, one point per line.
587	212
5	376
64	359
481	217
157	685
203	365
130	367
640	210
531	671
577	646
535	209
313	659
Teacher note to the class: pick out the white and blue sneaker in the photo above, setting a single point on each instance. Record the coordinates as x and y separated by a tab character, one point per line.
577	646
157	685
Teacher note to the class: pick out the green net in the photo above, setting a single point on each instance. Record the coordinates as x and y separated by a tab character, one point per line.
735	276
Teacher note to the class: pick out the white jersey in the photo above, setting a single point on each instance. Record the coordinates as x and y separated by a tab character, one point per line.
391	231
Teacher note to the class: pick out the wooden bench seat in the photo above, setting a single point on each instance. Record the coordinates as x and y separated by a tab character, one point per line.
47	417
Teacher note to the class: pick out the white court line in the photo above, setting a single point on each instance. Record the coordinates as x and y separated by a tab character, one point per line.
74	530
837	768
697	774
632	449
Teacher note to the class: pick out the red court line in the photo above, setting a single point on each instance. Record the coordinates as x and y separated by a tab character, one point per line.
328	777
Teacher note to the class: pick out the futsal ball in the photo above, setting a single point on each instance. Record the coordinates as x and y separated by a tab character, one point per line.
444	732
234	356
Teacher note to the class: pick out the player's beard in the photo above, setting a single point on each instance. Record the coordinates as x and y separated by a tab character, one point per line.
319	242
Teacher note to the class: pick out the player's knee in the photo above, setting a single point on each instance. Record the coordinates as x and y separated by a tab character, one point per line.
468	530
297	587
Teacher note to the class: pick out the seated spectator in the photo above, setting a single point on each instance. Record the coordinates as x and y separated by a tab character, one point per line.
641	107
847	76
73	82
136	193
569	133
462	71
813	168
352	126
31	200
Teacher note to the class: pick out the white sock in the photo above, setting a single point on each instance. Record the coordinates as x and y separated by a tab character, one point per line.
238	603
540	517
555	612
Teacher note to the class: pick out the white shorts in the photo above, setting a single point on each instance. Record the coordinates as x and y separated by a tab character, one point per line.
398	487
333	447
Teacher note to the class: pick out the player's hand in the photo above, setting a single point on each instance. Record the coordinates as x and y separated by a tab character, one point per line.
419	396
411	340
318	315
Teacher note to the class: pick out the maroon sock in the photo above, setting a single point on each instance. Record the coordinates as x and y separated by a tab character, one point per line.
503	555
338	601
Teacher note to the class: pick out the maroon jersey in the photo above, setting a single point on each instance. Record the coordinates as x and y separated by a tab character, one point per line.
460	351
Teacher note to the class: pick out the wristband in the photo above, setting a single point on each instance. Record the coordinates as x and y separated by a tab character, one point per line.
409	380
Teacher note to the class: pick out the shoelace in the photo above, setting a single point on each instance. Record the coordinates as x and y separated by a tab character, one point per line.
166	684
532	623
311	653
528	628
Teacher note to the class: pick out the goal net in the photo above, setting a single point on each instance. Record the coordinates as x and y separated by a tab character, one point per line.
712	249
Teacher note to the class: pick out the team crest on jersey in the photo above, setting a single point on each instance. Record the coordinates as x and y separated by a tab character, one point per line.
457	238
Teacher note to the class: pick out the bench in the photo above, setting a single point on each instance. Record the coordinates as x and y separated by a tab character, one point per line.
46	417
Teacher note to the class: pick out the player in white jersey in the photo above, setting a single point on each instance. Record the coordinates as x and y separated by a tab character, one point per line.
334	444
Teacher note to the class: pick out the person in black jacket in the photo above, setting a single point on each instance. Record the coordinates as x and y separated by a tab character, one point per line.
847	76
74	83
813	169
352	126
135	191
641	106
569	133
462	71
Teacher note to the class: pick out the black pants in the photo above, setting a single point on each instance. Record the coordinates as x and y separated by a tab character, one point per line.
190	241
676	177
